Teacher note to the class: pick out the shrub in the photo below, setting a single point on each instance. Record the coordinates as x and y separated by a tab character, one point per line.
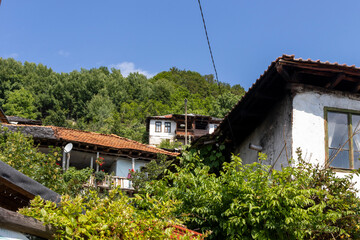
256	202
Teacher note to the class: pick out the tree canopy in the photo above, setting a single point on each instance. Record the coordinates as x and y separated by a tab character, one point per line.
105	101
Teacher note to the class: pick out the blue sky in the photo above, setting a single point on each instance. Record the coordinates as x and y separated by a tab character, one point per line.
153	36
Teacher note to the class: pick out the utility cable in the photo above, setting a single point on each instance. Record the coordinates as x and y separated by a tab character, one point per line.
208	41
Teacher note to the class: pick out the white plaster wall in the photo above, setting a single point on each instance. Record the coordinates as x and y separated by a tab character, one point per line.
309	126
11	235
271	134
140	163
212	128
155	138
122	167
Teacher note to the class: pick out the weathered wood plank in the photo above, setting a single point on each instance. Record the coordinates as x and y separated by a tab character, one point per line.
20	223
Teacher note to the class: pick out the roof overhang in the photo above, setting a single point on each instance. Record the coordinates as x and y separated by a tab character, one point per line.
283	76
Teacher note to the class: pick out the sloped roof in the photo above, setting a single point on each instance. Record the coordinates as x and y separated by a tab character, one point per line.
283	76
18	189
21	120
106	140
84	137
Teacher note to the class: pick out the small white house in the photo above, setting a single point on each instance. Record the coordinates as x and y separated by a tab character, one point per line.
119	155
311	105
172	127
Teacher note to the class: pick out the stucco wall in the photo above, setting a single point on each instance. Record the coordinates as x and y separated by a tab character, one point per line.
272	134
308	122
212	127
155	138
123	165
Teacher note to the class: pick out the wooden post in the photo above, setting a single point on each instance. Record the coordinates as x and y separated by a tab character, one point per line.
97	165
68	161
185	121
64	160
133	163
92	163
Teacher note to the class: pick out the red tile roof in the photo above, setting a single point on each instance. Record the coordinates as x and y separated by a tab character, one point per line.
182	231
106	140
91	138
3	118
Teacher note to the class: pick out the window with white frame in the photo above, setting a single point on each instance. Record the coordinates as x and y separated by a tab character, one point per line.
343	138
167	127
157	126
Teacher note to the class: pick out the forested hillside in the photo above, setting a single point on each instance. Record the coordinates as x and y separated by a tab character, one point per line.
102	100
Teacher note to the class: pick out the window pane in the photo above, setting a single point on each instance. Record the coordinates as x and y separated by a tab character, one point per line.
356	160
338	130
339	159
157	126
356	132
167	127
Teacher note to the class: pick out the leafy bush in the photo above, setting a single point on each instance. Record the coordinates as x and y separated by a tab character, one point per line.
75	179
19	152
256	202
112	217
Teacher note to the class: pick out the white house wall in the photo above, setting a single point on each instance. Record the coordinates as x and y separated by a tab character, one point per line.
271	134
123	165
212	127
155	138
308	122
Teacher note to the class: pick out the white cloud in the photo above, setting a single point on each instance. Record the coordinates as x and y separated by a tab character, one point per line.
63	53
129	67
11	55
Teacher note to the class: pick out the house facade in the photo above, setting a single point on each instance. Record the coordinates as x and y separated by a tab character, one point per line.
119	155
299	104
172	127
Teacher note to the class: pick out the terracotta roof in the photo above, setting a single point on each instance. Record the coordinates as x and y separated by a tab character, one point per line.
92	138
106	140
182	231
3	118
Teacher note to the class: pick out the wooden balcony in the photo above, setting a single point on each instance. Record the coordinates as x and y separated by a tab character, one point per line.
110	182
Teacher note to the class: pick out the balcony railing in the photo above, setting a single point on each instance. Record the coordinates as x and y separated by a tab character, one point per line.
110	181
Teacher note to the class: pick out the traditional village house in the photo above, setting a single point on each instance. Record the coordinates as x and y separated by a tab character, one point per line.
118	154
298	104
172	127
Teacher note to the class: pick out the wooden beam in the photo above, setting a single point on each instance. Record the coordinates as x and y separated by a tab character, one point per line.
335	81
20	223
280	69
16	188
357	88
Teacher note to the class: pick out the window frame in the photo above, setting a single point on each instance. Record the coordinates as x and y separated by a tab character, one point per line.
167	129
158	127
349	114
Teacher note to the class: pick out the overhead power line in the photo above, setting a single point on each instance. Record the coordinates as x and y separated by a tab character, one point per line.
207	37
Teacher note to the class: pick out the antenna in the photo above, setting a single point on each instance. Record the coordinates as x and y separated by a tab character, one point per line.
68	147
67	150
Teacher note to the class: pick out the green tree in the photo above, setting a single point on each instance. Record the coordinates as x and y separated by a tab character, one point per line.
21	103
223	104
100	113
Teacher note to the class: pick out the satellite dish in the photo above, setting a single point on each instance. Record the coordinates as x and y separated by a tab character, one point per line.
68	147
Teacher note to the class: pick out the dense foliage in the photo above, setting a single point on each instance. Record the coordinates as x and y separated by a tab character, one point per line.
257	202
112	217
19	152
103	100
